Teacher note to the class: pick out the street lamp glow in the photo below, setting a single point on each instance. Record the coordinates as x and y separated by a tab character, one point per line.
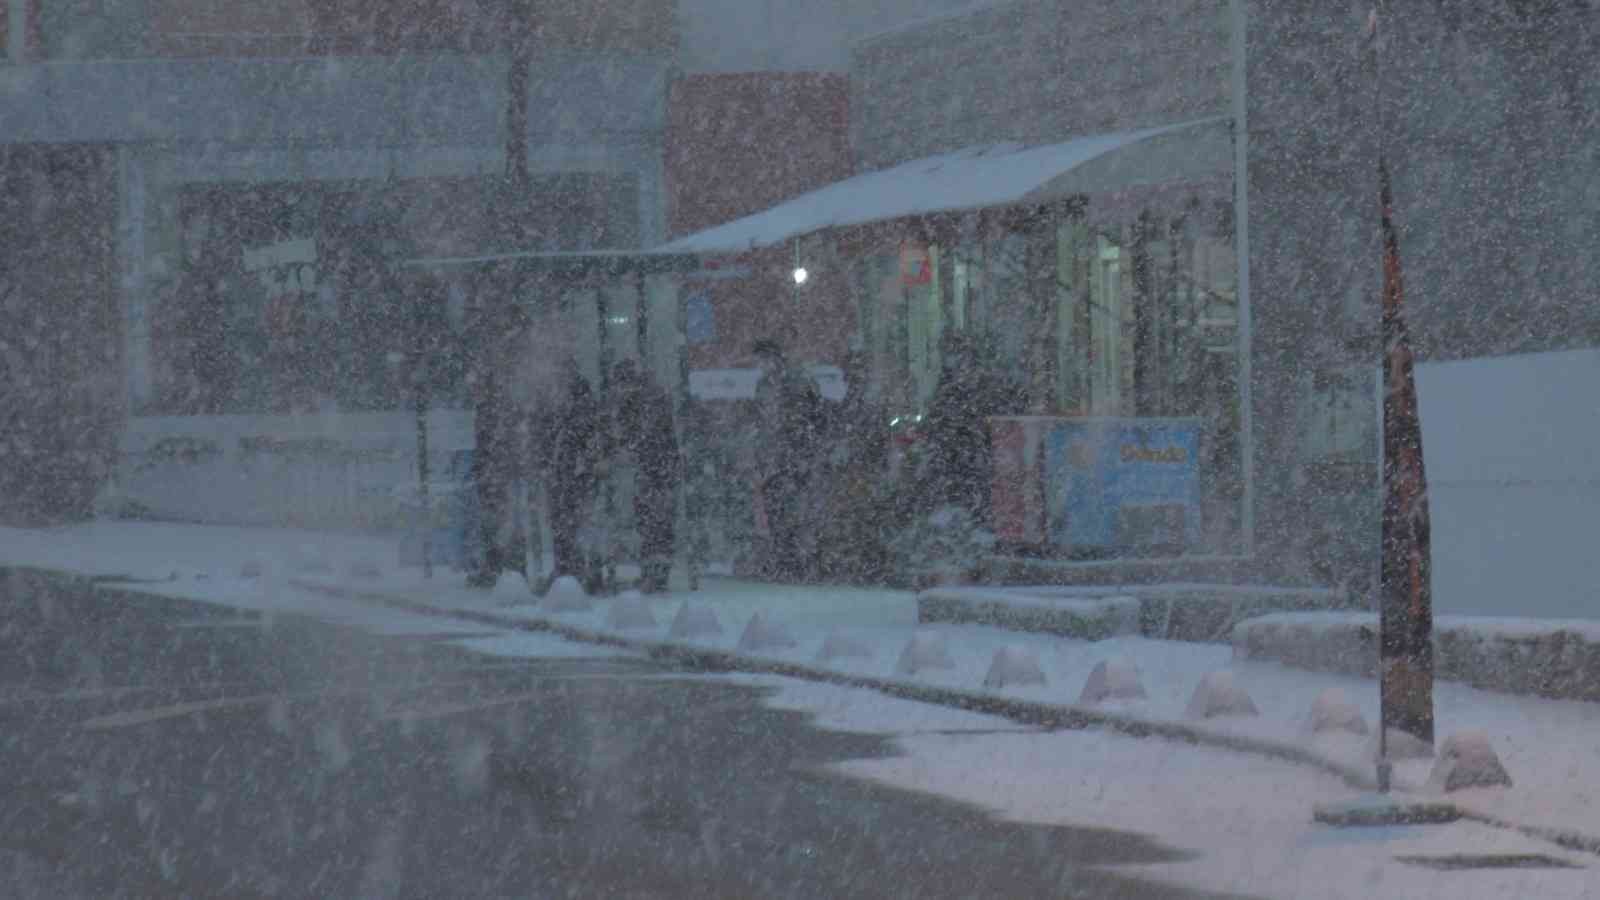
800	274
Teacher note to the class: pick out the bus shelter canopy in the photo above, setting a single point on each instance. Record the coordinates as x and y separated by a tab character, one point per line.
980	177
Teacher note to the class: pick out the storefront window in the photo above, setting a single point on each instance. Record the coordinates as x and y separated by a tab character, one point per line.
1106	320
924	320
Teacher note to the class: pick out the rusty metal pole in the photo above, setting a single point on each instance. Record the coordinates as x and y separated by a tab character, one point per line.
1405	579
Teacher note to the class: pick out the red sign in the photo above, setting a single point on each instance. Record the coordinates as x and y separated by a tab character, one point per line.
1017	491
916	266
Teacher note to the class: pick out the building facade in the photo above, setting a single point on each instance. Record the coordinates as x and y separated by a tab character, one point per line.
1487	117
1051	190
264	162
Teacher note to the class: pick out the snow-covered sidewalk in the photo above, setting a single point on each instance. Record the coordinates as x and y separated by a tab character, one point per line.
1160	787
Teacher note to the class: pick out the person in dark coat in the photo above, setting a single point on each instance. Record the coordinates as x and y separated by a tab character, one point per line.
970	390
644	427
494	470
571	462
856	527
789	428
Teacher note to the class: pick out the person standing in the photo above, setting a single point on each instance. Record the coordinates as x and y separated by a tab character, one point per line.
971	390
644	428
857	523
789	413
494	471
571	463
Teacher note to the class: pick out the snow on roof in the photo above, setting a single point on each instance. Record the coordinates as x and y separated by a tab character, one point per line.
971	178
658	259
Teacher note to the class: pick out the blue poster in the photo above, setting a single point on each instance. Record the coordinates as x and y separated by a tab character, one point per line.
1123	483
700	319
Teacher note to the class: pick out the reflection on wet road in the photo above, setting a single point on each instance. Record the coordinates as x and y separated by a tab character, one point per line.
163	748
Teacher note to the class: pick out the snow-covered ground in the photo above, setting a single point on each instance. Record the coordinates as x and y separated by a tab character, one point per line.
1249	816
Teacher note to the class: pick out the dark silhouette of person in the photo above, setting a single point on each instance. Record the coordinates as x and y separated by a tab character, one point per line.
789	427
644	427
493	471
573	451
858	521
957	425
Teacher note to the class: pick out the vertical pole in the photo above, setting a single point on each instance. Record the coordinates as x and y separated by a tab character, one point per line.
641	312
1405	655
416	295
792	329
1241	249
608	496
421	400
689	437
517	76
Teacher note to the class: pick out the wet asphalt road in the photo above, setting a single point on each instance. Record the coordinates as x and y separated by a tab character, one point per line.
168	749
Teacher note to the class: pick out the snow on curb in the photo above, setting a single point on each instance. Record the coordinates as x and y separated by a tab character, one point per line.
1186	611
702	657
1472	805
1557	659
1090	618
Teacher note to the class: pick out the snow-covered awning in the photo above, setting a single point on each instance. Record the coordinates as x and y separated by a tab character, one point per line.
584	262
978	177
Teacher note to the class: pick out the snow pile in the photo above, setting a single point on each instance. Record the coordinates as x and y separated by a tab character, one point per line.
762	634
1557	658
1345	642
566	595
926	650
631	611
1112	679
693	620
1242	821
838	645
511	588
1333	711
1090	617
1013	664
1218	695
1400	745
1467	760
